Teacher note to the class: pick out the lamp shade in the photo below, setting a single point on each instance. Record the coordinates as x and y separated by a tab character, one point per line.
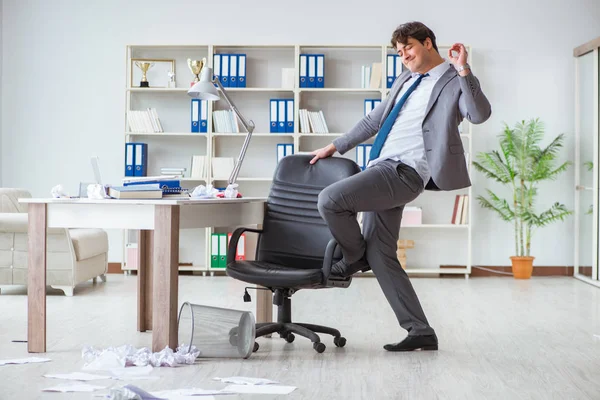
204	89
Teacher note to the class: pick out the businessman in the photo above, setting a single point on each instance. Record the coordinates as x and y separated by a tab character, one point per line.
417	147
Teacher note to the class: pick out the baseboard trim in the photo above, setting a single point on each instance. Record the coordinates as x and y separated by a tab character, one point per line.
537	271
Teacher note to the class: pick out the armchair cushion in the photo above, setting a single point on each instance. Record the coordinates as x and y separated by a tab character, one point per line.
89	242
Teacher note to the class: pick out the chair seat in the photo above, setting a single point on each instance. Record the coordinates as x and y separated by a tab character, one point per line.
274	275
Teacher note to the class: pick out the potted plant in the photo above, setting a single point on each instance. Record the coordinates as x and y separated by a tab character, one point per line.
520	165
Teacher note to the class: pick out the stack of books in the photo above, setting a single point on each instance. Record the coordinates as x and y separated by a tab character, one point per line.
461	209
312	121
142	191
144	121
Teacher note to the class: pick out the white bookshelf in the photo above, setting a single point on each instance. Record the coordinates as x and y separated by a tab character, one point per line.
341	100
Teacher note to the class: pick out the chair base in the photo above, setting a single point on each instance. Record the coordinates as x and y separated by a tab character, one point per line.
286	328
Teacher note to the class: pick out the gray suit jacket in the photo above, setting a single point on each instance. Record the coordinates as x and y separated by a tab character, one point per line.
453	98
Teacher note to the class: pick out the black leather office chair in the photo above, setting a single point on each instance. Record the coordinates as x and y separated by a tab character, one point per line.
295	249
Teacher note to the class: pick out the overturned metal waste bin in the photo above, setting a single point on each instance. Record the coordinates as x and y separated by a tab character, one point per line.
216	332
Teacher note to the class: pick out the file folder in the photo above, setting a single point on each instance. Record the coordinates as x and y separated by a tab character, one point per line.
390	68
360	156
214	250
241	70
398	66
203	116
367	154
141	159
195	115
222	250
233	70
240	251
289	116
225	70
303	70
368	106
273	114
320	82
217	67
129	159
281	115
280	151
312	70
289	149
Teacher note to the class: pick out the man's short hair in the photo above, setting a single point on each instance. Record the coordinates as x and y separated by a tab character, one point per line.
416	30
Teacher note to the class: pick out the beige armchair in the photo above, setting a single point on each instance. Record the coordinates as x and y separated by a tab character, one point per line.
73	256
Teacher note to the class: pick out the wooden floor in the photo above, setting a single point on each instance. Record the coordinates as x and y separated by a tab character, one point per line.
499	339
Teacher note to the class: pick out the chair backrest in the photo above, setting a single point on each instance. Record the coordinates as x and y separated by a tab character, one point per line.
295	234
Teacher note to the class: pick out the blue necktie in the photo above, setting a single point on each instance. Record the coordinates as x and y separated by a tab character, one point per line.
391	118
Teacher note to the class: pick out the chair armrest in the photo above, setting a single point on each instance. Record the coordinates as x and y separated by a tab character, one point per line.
328	259
233	243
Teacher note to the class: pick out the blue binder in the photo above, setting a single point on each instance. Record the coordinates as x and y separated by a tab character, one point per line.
233	70
129	159
241	70
274	105
289	115
312	70
203	116
141	159
303	70
217	67
320	70
195	115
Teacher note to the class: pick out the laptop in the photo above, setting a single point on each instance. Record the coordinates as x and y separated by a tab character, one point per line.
97	177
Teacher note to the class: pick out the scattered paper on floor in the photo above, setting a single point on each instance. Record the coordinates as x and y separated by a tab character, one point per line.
178	393
24	360
260	389
243	380
77	376
132	372
73	387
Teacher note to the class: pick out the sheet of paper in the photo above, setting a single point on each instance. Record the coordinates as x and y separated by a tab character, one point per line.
260	389
132	372
105	362
185	393
24	360
243	380
73	387
77	376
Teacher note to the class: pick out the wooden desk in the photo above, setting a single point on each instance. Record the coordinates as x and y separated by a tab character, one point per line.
159	222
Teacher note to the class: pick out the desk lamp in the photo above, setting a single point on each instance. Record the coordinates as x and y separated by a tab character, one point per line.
205	90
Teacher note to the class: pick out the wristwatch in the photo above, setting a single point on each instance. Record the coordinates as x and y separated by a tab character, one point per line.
463	67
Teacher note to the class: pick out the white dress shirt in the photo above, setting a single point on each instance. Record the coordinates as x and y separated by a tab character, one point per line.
405	140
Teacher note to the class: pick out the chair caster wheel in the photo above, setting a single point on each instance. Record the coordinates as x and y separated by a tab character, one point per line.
255	348
319	347
290	337
339	341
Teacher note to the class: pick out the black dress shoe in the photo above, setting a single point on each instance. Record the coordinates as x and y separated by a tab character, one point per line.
411	343
342	269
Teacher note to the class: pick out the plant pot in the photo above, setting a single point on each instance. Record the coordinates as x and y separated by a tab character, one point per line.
522	267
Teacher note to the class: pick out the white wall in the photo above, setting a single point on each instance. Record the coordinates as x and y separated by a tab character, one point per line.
1	93
64	74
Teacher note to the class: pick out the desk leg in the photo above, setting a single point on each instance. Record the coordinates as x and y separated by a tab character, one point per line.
145	254
36	279
165	274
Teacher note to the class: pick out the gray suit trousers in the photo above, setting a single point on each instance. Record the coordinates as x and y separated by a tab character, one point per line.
380	192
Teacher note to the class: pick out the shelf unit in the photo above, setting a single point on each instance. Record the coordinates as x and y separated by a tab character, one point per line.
342	101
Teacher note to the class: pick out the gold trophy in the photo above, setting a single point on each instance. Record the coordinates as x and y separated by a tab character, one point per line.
144	66
196	66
